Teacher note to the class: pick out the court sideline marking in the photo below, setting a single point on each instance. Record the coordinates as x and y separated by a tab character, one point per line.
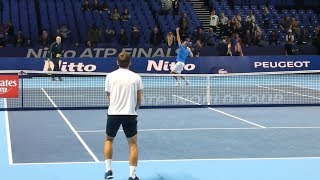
8	133
221	112
71	127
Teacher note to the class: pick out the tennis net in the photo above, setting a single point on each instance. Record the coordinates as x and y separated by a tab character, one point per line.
36	90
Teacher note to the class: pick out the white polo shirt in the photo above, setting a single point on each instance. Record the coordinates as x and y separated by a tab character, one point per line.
123	85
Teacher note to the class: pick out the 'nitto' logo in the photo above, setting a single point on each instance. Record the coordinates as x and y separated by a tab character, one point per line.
9	86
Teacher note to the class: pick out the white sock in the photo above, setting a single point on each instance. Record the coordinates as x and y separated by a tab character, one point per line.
108	164
133	171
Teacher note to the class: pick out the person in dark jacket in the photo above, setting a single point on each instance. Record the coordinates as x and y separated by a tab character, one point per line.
54	55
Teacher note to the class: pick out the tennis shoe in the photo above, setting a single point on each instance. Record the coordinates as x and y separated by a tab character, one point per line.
136	178
53	79
108	175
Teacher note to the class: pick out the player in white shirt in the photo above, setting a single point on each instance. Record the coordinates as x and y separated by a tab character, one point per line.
124	93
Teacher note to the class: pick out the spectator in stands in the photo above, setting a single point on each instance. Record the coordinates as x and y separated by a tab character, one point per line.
237	48
96	6
238	22
285	25
247	38
223	24
295	27
2	40
105	8
273	38
109	35
289	36
115	15
316	39
302	39
19	39
64	31
44	39
210	37
125	16
155	37
170	39
232	29
58	33
166	6
135	36
289	47
86	6
183	25
229	46
2	30
93	35
123	38
198	35
197	48
222	47
257	33
9	29
266	19
214	20
251	18
175	7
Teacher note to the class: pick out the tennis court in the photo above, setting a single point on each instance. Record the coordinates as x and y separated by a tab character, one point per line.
224	143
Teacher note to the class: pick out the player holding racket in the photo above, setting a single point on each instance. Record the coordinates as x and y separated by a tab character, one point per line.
183	52
54	55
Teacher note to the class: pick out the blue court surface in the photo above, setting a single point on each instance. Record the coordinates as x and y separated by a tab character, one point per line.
262	143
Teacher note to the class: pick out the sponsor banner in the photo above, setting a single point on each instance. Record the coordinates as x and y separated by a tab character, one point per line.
9	86
201	65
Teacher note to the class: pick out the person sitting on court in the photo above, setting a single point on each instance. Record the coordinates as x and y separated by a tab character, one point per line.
124	94
183	52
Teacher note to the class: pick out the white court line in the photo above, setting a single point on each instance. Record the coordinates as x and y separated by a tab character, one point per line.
8	133
172	160
200	129
288	92
216	110
72	128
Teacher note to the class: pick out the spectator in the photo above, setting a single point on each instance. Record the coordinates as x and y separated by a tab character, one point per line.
2	30
222	47
86	6
285	25
109	35
64	31
44	39
170	39
115	15
166	6
273	38
289	47
229	46
247	38
96	6
58	33
197	48
93	35
135	36
302	39
316	39
237	48
266	18
19	39
214	20
238	22
175	7
2	41
9	29
104	8
199	35
155	37
184	25
223	24
257	36
295	27
210	37
251	18
232	29
123	38
125	15
290	36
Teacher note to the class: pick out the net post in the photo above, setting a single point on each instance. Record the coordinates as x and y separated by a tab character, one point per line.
22	89
208	89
